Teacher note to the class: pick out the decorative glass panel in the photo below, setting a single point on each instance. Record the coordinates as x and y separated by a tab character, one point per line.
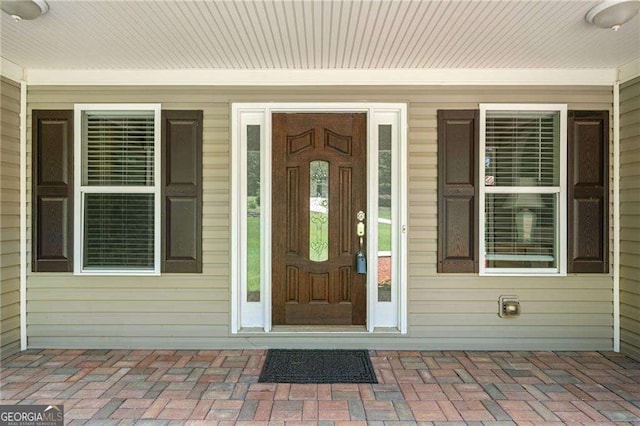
319	211
253	213
119	231
384	213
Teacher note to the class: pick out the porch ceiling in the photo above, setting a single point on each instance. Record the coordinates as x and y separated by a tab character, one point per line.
312	35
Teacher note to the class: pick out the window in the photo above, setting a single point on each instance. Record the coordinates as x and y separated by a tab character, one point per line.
252	203
66	185
254	224
385	187
522	197
502	207
118	196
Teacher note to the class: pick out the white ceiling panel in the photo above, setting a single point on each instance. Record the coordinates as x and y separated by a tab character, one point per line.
315	35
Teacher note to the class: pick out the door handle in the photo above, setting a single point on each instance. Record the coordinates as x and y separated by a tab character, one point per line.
361	257
360	226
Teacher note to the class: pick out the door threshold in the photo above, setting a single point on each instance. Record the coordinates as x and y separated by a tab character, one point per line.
319	329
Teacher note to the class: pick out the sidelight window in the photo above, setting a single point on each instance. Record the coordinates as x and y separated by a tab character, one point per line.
385	217
253	201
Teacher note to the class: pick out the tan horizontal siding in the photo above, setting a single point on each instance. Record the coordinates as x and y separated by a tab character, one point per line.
540	320
164	309
630	311
127	318
107	294
631	273
202	330
445	312
9	217
631	296
514	331
490	307
630	218
179	341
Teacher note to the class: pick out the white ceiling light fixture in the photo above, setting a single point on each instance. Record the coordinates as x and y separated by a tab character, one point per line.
613	13
24	9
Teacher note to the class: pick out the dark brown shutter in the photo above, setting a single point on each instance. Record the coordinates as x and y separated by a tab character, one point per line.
588	190
182	191
458	133
52	191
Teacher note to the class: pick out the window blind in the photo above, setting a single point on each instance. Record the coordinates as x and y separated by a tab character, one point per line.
518	236
119	231
118	148
521	148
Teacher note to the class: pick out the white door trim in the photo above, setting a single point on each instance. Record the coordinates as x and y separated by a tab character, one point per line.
253	316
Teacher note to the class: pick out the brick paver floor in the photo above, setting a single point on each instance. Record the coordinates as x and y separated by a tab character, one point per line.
220	387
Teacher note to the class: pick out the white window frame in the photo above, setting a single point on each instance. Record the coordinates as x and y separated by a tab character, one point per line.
252	312
80	190
561	191
256	316
389	314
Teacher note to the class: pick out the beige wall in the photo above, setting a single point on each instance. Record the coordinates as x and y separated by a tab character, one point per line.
445	312
10	217
630	218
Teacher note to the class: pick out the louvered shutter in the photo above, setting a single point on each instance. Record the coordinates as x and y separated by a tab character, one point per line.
457	191
52	191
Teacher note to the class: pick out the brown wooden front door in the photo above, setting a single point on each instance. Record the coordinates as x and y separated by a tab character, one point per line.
319	186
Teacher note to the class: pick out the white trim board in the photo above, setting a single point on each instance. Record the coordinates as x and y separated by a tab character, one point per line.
616	217
629	71
11	70
23	216
327	77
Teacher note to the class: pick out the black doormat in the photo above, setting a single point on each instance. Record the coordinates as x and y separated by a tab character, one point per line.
317	366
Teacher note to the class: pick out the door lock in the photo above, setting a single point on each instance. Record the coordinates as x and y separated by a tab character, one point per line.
361	262
361	257
360	225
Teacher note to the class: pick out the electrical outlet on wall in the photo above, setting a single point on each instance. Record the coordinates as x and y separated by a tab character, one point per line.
508	306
